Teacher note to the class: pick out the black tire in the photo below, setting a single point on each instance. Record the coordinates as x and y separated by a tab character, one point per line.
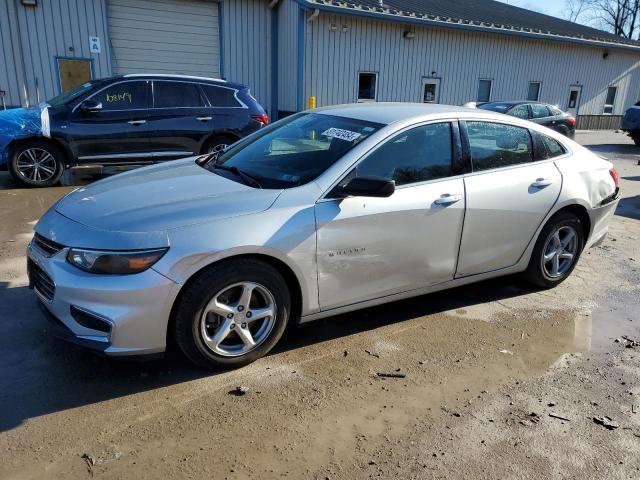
191	305
536	272
635	136
43	178
217	142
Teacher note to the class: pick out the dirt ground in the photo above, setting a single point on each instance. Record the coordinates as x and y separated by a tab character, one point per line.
500	381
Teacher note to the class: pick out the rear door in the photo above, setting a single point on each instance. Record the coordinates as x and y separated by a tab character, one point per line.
116	133
541	115
508	196
180	118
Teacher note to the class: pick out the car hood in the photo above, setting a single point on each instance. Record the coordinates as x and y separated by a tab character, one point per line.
162	197
18	123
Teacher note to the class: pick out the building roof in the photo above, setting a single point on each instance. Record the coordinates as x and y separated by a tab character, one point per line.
481	15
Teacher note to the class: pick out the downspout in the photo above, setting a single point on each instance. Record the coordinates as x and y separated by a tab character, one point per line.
18	52
300	60
274	7
221	36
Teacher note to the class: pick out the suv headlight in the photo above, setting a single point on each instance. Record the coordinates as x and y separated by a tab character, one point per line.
114	262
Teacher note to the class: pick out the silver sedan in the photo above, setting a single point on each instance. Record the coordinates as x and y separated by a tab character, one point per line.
323	212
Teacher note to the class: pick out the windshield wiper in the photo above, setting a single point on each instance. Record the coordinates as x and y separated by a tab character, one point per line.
246	178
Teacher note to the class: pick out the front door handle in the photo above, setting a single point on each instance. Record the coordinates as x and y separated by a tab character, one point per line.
448	199
203	119
136	122
541	182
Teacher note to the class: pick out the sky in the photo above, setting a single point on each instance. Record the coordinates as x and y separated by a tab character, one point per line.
550	7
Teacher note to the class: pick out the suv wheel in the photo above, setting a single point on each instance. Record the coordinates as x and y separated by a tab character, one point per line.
557	251
233	314
217	144
36	164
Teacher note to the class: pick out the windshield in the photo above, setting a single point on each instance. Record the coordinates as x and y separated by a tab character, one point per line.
70	95
499	107
293	152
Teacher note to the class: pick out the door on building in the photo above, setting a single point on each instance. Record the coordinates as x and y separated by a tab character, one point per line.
358	238
116	131
73	72
503	155
172	36
573	104
431	90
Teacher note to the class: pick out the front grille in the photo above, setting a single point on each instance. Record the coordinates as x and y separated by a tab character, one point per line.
49	247
40	281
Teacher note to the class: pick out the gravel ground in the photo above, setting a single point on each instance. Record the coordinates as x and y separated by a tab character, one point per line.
500	381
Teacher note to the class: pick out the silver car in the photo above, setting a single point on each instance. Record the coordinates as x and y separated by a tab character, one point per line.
324	212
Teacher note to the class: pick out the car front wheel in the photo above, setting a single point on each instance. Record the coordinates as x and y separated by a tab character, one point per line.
232	314
36	164
557	251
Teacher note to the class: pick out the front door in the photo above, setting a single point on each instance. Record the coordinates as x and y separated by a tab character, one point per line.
179	119
431	90
573	104
118	132
508	196
372	247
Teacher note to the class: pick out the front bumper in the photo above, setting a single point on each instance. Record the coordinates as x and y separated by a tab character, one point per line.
131	312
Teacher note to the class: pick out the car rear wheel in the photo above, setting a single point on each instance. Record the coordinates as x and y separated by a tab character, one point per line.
218	144
233	314
635	136
557	251
36	164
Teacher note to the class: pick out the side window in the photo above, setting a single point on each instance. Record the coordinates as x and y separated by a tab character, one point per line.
520	111
539	111
221	97
550	148
176	95
123	96
495	145
420	154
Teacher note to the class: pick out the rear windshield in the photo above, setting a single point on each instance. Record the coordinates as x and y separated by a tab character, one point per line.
294	151
500	107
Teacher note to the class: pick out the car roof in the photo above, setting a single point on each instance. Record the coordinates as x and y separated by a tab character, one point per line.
160	76
391	112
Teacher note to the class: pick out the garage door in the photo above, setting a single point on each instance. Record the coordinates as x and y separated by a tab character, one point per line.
164	36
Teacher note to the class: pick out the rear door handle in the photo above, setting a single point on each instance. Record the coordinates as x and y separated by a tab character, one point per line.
203	119
541	182
136	122
448	199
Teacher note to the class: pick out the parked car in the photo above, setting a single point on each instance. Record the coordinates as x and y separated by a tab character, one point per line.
631	123
323	212
130	119
540	113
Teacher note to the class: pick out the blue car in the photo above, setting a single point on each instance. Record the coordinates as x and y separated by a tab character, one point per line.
125	120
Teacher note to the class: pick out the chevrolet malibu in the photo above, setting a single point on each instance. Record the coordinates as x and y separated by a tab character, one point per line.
324	212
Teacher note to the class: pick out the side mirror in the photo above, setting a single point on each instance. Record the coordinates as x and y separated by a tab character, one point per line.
91	106
367	187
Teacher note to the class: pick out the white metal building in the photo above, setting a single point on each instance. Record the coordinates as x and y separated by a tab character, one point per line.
446	51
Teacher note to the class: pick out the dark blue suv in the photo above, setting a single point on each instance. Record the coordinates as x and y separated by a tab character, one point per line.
131	119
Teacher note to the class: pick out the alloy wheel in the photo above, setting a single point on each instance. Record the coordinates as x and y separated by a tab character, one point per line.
217	148
560	252
36	165
238	319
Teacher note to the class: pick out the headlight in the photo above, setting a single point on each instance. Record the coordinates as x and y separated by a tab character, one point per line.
121	263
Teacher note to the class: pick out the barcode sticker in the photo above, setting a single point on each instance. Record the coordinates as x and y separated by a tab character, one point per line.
346	135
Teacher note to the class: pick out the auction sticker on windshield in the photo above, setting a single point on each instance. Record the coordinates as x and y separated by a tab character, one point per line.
346	135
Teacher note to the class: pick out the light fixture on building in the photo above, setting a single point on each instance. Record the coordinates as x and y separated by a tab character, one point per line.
408	34
333	27
29	3
605	54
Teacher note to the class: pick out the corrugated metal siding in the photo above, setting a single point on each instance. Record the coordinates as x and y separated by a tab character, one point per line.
247	46
164	36
56	28
599	122
9	57
334	58
287	54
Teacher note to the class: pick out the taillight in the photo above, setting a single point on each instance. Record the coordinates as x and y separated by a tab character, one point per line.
616	178
263	119
571	121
